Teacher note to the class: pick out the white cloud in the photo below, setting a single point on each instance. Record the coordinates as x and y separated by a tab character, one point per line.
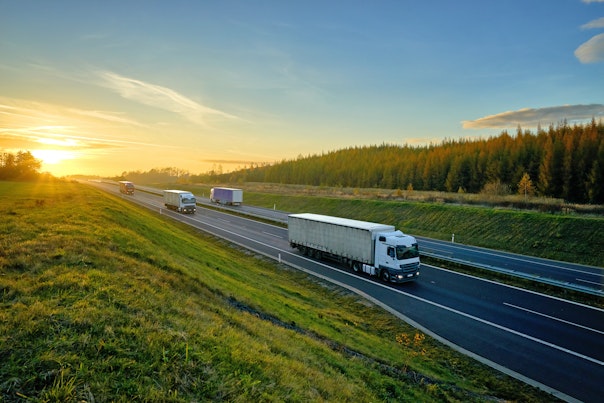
599	23
531	117
593	1
106	116
591	51
26	124
161	97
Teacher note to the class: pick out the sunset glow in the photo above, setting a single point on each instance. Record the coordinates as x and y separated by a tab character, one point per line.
52	157
99	91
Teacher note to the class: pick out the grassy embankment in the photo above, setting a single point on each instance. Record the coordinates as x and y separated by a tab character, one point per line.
103	300
577	238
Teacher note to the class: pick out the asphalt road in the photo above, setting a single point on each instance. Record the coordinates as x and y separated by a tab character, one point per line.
551	343
566	274
580	277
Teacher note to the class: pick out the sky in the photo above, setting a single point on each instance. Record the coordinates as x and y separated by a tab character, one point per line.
105	87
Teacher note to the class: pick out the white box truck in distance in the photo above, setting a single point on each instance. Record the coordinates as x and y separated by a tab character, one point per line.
180	200
230	196
365	247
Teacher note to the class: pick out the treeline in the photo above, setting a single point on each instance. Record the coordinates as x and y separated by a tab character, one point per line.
20	166
561	162
157	175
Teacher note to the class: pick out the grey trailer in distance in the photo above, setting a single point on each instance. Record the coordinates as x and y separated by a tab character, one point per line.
180	200
365	247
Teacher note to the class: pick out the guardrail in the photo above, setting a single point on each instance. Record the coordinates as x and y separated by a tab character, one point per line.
501	270
514	273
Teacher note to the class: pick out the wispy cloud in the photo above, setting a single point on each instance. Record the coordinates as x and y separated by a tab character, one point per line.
591	51
107	116
532	117
26	124
599	23
161	97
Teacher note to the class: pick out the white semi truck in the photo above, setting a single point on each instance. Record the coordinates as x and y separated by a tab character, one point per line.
366	247
230	196
180	200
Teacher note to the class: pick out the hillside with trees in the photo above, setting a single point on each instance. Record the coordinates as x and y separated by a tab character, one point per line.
564	161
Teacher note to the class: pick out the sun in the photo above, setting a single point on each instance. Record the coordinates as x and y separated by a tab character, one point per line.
52	157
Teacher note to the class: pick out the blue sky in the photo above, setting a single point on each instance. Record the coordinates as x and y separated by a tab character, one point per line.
101	87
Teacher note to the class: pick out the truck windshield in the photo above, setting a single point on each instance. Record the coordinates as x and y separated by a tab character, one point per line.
188	200
404	252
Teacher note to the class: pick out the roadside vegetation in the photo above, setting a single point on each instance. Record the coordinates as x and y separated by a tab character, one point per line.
561	162
567	236
104	301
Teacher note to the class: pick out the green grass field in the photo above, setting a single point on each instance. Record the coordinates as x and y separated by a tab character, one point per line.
104	301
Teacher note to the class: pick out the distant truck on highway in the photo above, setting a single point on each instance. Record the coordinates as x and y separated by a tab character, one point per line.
229	196
180	200
376	249
126	187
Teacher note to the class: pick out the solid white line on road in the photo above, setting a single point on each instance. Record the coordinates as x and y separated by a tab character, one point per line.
553	317
516	257
486	322
590	282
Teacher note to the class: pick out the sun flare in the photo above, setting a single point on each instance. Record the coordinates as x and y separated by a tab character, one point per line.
53	156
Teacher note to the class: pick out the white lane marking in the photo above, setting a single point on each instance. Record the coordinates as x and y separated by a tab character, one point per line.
486	322
553	317
566	301
274	235
590	282
511	256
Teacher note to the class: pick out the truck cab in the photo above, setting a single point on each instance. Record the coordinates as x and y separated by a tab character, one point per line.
126	187
396	257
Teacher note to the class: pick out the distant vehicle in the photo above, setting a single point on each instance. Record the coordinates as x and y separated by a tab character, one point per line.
365	247
230	196
126	187
180	200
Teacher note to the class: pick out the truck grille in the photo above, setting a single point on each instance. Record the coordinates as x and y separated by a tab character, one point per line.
410	267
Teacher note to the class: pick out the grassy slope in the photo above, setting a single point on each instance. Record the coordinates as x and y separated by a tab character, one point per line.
578	239
103	300
567	237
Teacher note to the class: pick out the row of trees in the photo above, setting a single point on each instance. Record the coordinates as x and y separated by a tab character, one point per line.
20	166
562	162
157	175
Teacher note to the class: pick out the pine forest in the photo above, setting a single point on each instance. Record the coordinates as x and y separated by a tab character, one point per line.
563	161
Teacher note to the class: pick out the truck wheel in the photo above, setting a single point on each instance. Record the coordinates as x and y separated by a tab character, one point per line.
385	276
356	267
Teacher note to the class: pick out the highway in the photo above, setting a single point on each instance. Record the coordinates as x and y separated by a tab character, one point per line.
573	276
548	342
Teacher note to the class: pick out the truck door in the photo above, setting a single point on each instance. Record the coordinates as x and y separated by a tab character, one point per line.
390	257
385	256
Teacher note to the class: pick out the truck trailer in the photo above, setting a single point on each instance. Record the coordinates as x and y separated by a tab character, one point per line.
180	200
365	247
230	196
126	187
